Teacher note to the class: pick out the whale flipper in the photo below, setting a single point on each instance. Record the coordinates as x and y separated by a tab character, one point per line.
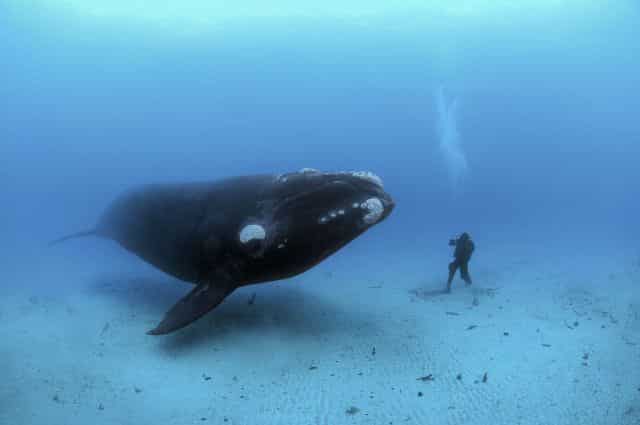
202	299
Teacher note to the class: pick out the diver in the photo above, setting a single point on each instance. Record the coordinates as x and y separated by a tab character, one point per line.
464	247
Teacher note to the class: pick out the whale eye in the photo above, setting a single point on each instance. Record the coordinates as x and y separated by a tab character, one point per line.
252	232
374	209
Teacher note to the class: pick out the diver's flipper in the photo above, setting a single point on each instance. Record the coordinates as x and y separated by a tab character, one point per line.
202	299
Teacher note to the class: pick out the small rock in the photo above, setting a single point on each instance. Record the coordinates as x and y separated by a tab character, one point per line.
419	393
426	378
138	390
352	410
459	377
100	406
505	333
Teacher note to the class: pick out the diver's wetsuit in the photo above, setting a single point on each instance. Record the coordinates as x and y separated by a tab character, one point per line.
462	254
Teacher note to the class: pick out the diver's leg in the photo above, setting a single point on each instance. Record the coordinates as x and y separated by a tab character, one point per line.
464	273
453	266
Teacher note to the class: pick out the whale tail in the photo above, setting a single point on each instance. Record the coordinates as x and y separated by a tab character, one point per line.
73	236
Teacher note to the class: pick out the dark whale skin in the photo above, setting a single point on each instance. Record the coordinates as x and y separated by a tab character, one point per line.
238	231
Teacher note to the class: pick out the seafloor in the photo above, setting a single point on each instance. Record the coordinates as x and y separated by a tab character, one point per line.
538	339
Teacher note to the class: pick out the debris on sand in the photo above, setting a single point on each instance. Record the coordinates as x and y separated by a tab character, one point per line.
352	410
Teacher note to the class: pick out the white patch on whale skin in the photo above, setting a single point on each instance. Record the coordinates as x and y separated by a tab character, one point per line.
365	175
368	175
252	232
375	210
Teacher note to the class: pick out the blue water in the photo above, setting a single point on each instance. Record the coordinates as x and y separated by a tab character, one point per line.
542	146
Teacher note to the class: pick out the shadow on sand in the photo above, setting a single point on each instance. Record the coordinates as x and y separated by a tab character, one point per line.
279	309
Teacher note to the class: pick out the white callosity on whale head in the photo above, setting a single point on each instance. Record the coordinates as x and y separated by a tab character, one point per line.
368	175
284	178
331	215
373	207
365	175
252	232
375	210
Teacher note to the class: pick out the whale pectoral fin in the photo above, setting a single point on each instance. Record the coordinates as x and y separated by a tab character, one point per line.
202	299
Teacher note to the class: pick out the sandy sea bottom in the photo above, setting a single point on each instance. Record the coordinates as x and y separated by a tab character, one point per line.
535	340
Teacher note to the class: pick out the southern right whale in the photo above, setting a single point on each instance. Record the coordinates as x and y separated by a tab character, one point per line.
239	231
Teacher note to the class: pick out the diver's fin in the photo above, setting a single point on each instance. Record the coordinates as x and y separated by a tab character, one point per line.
73	236
202	299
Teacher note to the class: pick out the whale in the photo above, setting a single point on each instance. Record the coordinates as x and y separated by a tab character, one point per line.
223	234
